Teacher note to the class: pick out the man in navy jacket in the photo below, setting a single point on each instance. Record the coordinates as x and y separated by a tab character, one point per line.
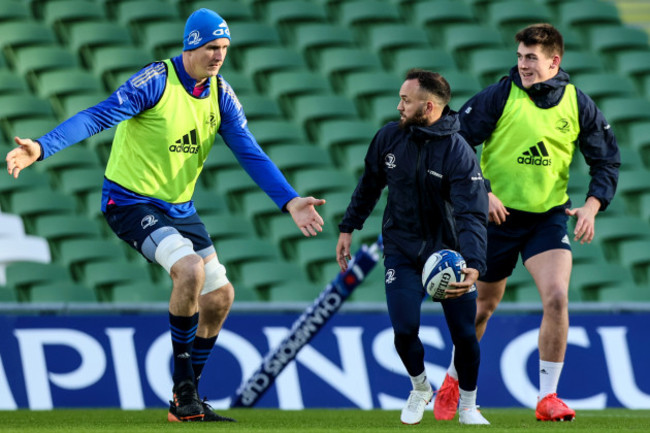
436	200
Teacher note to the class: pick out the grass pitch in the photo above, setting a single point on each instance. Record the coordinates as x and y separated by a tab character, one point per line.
312	421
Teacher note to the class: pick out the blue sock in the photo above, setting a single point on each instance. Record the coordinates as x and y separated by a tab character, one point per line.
183	330
200	353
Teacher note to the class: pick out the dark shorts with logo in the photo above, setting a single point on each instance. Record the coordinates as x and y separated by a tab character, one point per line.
142	226
523	233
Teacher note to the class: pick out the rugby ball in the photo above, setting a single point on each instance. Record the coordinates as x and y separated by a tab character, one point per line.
441	268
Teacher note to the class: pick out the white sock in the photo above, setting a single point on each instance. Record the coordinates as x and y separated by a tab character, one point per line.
451	370
549	376
420	382
467	399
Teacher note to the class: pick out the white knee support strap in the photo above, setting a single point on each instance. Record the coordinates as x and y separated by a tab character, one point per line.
171	249
215	276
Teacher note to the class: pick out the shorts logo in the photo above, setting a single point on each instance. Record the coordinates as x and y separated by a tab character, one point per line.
194	37
186	144
390	276
536	155
390	161
148	221
565	240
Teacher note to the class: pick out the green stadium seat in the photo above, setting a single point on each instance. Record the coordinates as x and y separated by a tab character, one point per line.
57	228
232	184
19	34
139	292
247	35
240	83
31	61
622	112
38	202
364	86
337	62
635	255
14	11
33	128
583	16
577	62
639	139
259	209
311	254
610	42
81	183
436	15
334	209
291	291
60	14
634	64
102	141
588	278
61	293
286	14
231	10
372	288
162	37
22	276
135	14
361	15
257	63
614	229
73	104
77	253
519	278
433	59
292	157
632	184
353	158
27	180
109	62
207	202
7	295
226	226
258	107
491	64
312	39
311	110
12	83
234	252
463	84
605	85
104	276
337	134
285	85
73	157
383	109
321	181
22	106
262	275
85	37
385	39
623	292
460	40
272	132
513	15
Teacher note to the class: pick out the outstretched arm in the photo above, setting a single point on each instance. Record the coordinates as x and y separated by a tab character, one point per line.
27	152
304	214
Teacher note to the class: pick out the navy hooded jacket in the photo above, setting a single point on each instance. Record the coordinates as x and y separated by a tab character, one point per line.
436	193
596	141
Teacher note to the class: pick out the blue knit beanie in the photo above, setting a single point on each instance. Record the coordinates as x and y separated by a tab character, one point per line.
202	27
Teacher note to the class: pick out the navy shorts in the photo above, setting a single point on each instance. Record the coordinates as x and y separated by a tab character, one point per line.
143	226
523	233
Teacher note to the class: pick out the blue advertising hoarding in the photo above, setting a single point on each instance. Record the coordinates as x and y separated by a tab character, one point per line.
124	361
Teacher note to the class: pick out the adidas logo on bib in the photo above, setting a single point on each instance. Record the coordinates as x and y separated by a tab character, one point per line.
536	155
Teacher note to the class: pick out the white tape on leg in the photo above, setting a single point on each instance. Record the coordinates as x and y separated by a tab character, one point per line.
215	276
171	249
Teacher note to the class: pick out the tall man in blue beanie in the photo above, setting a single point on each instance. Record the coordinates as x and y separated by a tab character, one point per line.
169	114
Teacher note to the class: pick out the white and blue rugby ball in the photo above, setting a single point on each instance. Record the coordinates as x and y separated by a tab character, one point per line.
441	268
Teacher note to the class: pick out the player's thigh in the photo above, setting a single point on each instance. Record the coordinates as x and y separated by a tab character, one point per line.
404	293
551	271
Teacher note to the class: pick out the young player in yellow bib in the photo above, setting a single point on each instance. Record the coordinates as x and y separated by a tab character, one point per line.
169	114
530	124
